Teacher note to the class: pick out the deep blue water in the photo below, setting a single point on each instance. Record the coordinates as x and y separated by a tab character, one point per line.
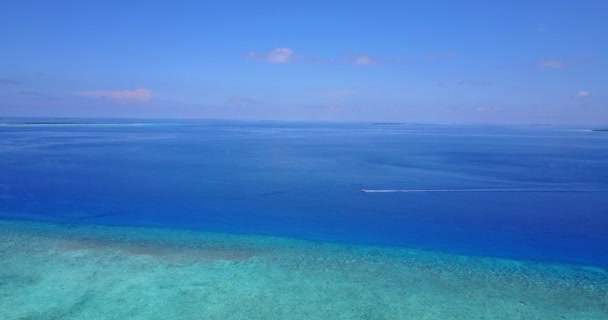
304	180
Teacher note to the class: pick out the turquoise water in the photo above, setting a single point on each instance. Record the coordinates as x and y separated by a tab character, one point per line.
52	271
246	220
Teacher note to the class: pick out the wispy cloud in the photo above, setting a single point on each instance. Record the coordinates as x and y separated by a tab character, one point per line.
9	82
242	101
583	94
440	56
369	60
487	109
474	83
363	60
332	94
124	95
279	55
560	63
288	55
540	28
551	63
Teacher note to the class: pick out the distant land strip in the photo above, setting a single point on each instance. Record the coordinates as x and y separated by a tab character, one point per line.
34	123
478	190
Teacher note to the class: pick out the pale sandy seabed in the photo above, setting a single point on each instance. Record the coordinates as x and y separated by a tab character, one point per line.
52	271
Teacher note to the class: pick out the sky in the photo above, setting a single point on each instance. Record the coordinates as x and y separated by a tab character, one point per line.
406	61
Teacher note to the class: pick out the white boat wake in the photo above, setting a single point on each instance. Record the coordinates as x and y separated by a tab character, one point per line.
479	190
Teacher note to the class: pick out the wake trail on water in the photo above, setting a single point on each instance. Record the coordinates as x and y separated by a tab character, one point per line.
478	190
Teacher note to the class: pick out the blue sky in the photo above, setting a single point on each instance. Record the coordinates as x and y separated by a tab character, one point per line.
411	61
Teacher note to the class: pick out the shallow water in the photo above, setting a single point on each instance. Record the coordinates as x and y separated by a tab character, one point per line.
50	271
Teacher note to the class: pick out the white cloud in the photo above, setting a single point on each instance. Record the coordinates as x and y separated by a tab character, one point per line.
288	55
540	28
562	63
487	109
583	94
279	55
552	63
124	95
364	60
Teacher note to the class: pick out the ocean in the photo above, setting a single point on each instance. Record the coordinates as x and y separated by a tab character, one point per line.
242	220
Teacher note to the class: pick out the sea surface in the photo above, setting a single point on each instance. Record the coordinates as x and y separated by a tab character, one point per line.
176	219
